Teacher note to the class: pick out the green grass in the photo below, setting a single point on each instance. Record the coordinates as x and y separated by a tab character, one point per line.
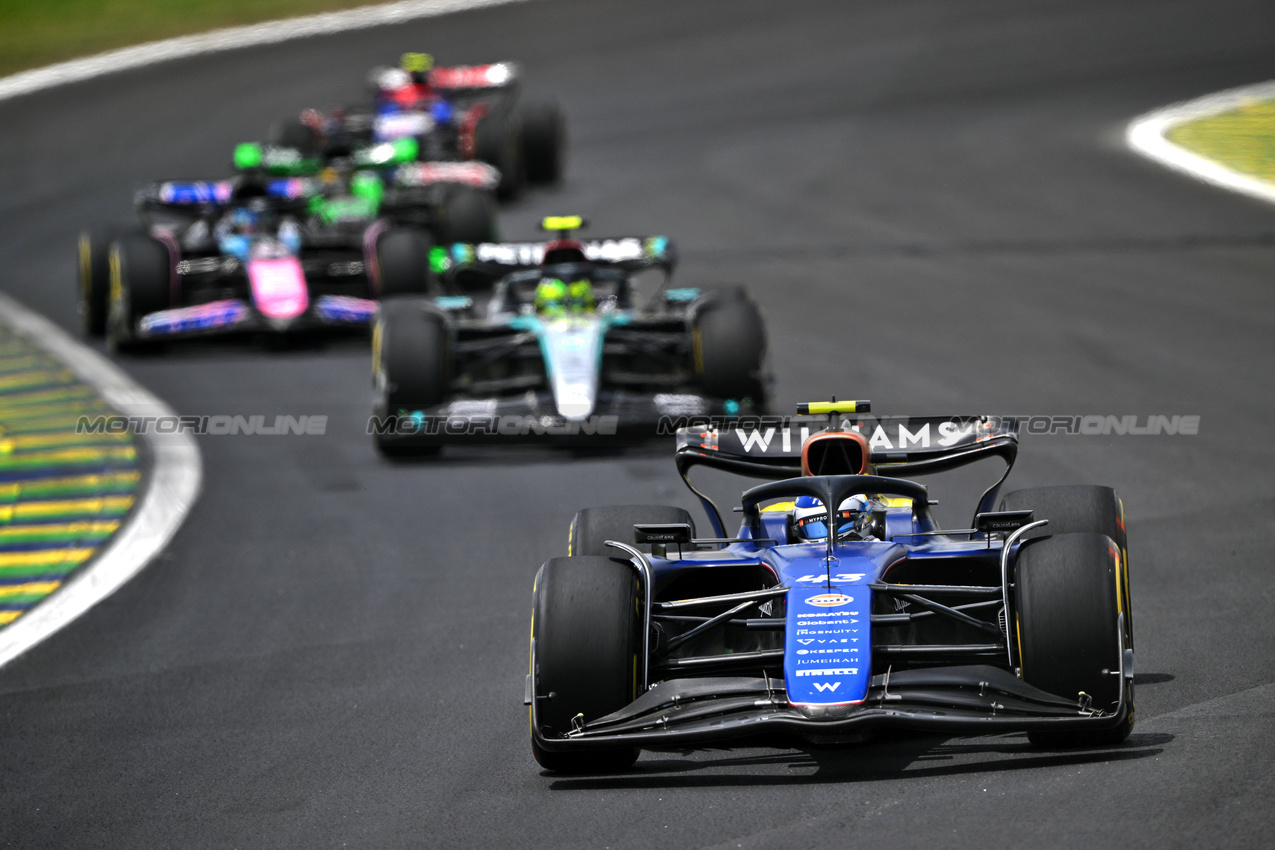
1242	139
34	33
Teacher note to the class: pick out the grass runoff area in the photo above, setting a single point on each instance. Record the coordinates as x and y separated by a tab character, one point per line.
35	33
1242	139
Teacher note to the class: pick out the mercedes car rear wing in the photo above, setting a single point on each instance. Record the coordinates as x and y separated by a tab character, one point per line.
492	260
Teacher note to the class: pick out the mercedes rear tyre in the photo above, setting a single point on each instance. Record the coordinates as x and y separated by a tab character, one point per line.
586	654
544	142
729	351
1066	590
402	263
141	280
593	527
410	371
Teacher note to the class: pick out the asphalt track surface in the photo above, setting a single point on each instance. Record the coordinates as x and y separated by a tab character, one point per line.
931	201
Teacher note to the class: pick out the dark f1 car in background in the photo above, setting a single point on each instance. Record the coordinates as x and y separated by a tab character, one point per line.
472	112
289	243
561	341
801	625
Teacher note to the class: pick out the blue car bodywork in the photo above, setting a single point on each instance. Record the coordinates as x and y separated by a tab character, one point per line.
762	633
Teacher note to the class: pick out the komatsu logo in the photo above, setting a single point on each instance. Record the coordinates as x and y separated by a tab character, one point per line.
830	600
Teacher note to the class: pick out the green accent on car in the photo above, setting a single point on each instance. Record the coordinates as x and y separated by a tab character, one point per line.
439	262
368	186
247	155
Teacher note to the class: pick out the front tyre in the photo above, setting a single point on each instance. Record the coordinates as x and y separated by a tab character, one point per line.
95	279
141	274
591	528
1068	624
586	656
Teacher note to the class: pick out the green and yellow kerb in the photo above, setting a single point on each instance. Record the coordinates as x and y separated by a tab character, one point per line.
62	493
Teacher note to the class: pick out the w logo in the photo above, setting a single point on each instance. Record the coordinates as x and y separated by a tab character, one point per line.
821	687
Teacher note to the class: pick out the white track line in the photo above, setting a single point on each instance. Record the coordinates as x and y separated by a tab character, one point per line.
1146	135
231	39
168	491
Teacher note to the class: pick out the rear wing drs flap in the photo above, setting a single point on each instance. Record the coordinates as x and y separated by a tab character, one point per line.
899	446
492	260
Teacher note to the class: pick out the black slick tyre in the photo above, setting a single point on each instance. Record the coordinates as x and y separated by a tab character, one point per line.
1068	630
729	349
402	263
586	656
141	277
469	216
95	278
544	142
410	370
498	142
592	527
1080	507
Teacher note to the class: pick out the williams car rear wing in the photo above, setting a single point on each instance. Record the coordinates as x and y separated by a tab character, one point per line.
770	448
492	260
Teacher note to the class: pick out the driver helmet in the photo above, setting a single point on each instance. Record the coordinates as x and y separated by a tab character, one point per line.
243	221
580	296
551	297
810	519
418	65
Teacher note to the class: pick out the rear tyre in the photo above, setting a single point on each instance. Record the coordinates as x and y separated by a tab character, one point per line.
587	646
544	142
402	263
469	216
296	134
410	370
1076	508
140	283
95	278
730	350
1069	629
498	141
593	527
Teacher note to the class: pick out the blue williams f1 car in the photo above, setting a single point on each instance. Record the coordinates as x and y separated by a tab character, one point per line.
562	341
798	625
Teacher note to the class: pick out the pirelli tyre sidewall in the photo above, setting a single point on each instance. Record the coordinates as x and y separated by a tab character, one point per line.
586	656
1067	630
94	278
141	275
1081	507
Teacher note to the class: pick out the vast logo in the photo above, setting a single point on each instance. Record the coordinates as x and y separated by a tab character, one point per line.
830	600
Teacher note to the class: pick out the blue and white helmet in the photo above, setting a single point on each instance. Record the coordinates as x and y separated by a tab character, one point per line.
810	519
